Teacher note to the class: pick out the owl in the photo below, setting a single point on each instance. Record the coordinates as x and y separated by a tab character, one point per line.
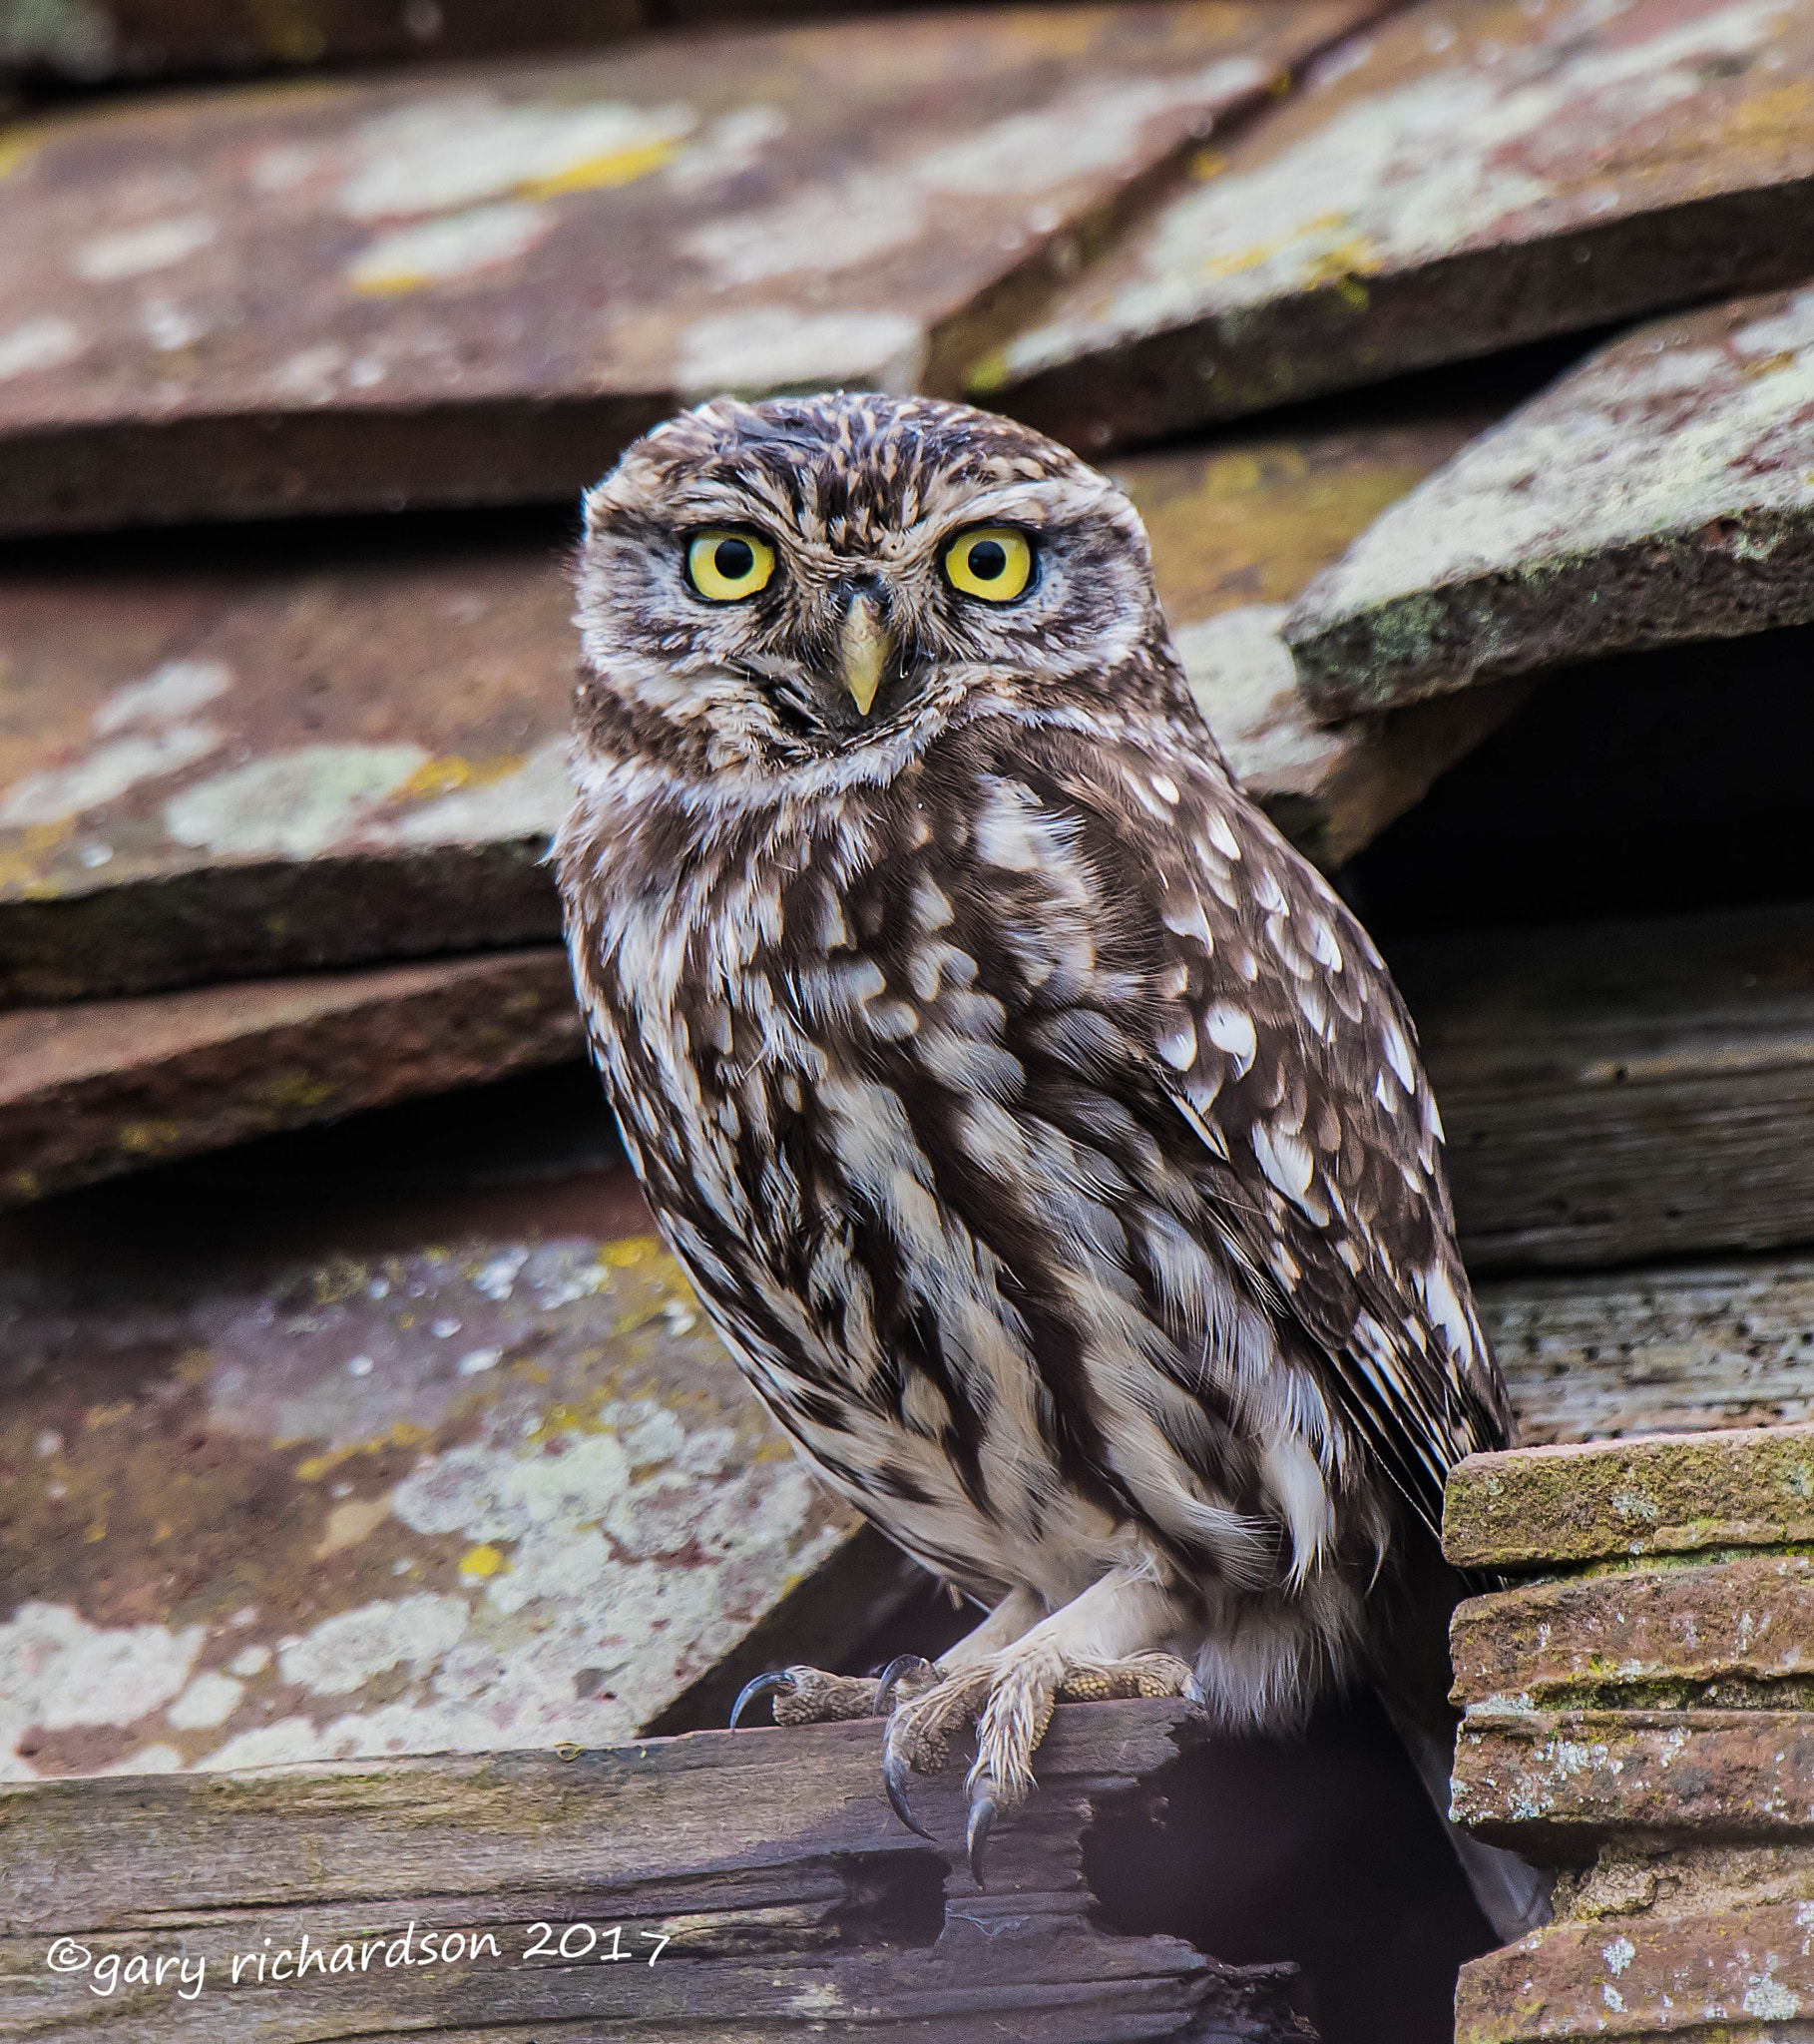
1043	1136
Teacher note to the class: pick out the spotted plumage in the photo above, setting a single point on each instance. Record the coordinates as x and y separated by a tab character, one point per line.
1042	1134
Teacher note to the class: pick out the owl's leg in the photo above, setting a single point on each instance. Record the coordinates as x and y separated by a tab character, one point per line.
809	1695
1104	1643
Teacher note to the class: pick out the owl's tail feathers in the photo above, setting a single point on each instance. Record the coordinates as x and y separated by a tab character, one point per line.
1513	1895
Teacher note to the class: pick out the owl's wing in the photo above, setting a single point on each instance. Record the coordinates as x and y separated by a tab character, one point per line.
1277	1035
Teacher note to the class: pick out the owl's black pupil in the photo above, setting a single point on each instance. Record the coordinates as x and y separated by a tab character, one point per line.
733	559
988	559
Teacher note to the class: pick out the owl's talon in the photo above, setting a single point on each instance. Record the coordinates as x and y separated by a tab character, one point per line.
981	1823
894	1780
772	1684
897	1671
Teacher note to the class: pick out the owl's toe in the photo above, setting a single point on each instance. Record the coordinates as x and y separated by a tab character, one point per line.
809	1695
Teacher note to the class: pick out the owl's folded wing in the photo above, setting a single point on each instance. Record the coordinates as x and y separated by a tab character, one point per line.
1277	1032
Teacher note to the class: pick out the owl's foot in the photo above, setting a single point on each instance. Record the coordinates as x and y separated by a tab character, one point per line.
1010	1697
809	1695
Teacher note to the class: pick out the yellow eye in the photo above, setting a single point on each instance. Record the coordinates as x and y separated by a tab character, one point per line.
725	567
994	562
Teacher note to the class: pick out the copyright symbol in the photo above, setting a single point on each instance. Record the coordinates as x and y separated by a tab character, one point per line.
67	1956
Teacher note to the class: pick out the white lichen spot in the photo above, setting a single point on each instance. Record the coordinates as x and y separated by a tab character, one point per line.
137	252
297	803
341	1654
774	347
57	793
1618	1955
57	1672
446	250
167	694
46	342
209	1701
528	802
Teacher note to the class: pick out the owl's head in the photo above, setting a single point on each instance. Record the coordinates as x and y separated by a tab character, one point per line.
774	584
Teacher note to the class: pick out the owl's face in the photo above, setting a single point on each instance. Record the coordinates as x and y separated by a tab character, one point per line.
774	584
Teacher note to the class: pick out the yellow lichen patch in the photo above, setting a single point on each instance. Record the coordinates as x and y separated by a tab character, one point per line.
449	773
628	1252
24	863
297	1090
601	172
314	1468
482	1562
17	150
145	1139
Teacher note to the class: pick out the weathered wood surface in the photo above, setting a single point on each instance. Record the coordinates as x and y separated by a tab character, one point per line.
1609	1501
1464	177
271	763
791	1900
1676	1349
474	288
120	39
1657	492
1619	1091
327	1469
99	1087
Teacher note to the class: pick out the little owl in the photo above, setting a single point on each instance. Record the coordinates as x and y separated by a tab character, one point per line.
1043	1136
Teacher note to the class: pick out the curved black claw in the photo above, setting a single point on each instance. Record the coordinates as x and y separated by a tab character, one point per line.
902	1665
894	1780
981	1823
763	1686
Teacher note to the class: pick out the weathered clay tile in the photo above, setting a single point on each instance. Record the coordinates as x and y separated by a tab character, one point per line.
115	39
207	774
1698	1636
1674	1349
474	286
1540	1508
1556	1784
1702	1946
94	1088
478	1475
1657	492
1236	531
287	764
1474	173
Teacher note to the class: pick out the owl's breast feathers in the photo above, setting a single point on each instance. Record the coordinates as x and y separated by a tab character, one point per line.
1048	1144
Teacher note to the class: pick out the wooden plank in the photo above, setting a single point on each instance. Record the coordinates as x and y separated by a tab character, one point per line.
1672	1350
101	1087
1617	1092
790	1899
1473	173
1656	493
276	762
300	1467
476	287
136	39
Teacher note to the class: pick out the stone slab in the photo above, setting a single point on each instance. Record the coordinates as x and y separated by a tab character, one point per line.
474	286
1677	1349
758	1884
1702	1635
297	1472
1473	173
1544	1508
87	41
1619	1091
1556	1784
1733	1970
99	1087
1659	492
1236	531
311	756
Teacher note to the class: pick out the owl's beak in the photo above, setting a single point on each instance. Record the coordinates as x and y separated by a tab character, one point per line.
864	647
